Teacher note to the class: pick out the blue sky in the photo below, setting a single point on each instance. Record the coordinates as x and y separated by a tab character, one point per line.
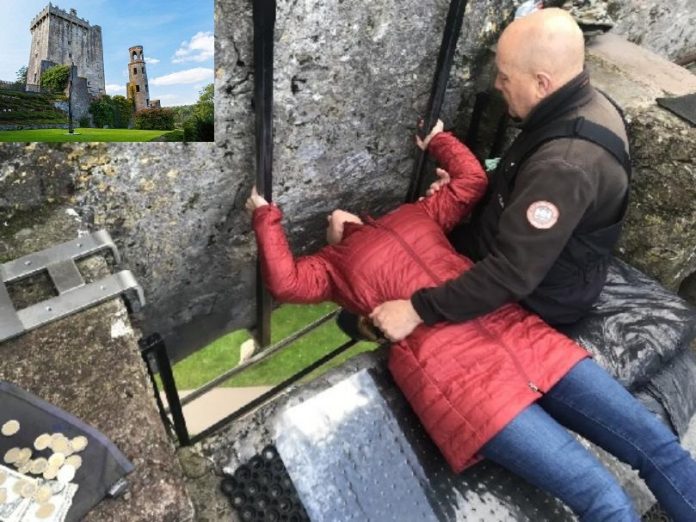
177	37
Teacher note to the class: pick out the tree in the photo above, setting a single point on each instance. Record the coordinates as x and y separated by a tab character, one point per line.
123	111
102	112
22	75
56	77
201	126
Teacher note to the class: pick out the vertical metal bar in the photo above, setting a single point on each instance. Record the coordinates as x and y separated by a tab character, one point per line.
155	344
499	138
453	26
264	12
482	101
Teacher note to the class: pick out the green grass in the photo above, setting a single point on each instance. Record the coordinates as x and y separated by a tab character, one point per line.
223	354
86	134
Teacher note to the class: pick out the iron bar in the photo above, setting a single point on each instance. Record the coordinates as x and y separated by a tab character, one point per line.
272	392
264	12
153	346
453	25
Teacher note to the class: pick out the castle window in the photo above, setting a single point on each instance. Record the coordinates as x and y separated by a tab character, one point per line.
143	70
135	70
137	88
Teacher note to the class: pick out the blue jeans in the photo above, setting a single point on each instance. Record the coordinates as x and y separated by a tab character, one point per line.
593	404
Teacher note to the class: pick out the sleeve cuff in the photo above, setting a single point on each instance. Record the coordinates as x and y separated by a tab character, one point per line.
422	306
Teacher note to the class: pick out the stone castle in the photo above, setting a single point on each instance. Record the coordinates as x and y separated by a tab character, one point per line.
137	88
62	38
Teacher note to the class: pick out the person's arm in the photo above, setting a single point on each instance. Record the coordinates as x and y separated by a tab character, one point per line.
548	201
466	185
305	280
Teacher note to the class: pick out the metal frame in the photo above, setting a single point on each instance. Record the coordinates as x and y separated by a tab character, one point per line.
74	294
154	353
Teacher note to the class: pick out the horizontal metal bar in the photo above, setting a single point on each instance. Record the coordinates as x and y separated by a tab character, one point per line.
31	264
65	276
79	299
10	325
272	392
261	356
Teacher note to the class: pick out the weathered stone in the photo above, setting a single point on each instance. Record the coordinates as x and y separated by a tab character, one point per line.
659	236
61	38
89	364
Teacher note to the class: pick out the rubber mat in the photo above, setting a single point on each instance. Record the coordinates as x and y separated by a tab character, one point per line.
682	106
355	451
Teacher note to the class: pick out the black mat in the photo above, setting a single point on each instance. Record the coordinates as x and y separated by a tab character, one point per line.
682	106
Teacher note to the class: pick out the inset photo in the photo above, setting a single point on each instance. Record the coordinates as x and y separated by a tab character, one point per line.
115	70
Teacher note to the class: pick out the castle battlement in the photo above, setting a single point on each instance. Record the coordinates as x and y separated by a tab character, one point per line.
60	37
51	9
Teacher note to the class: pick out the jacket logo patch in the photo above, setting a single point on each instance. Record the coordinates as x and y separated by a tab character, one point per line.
542	214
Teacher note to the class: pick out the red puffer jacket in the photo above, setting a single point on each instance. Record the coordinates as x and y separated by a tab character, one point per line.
465	381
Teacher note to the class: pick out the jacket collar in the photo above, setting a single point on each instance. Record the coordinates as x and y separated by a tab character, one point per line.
576	93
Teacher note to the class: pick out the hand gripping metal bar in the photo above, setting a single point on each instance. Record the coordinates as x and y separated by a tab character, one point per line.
264	14
453	26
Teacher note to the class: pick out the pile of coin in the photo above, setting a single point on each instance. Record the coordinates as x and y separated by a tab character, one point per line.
59	463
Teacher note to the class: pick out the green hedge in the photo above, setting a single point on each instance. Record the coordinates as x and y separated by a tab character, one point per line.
155	119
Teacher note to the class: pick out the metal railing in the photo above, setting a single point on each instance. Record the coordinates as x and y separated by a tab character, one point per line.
157	361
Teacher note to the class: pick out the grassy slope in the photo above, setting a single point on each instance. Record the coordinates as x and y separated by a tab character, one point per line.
61	135
223	354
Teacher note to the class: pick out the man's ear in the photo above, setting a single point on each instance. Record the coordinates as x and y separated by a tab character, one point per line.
543	84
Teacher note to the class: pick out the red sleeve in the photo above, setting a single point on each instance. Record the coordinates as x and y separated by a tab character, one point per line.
468	182
305	280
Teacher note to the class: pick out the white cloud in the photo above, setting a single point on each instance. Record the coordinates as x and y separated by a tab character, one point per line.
152	61
195	75
199	49
115	88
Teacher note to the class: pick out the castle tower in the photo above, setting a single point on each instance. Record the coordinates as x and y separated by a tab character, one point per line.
137	88
62	38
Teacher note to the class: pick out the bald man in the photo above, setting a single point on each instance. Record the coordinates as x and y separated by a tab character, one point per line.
543	233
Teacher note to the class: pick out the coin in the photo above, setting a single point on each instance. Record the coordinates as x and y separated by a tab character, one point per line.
79	443
23	468
75	461
51	472
43	494
24	456
56	460
66	474
61	445
11	456
42	441
45	510
39	465
10	428
3	495
28	490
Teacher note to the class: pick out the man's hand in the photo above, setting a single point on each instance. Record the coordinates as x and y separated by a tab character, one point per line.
255	201
397	319
437	129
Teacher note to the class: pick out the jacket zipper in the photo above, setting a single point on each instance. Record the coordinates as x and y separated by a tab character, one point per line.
484	331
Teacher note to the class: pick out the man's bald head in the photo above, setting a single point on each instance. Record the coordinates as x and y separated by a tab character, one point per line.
546	47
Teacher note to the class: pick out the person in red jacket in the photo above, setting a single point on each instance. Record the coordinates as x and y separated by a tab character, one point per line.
470	383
